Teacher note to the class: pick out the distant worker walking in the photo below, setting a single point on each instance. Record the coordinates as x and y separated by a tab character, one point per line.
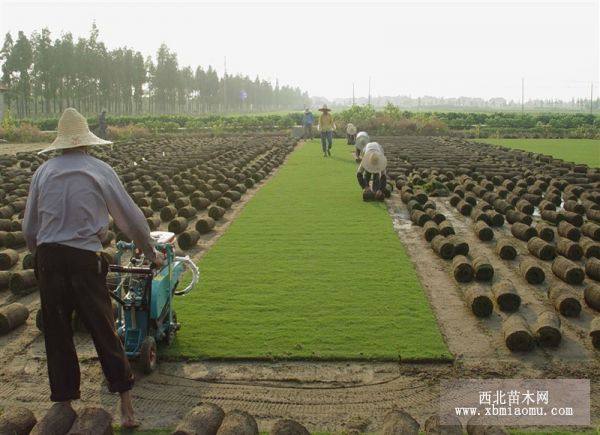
326	127
362	139
350	133
372	169
102	128
307	122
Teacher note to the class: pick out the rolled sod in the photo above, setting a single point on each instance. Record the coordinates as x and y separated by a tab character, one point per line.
505	249
238	422
57	420
531	271
16	421
573	218
22	282
446	228
204	418
443	247
483	269
447	424
200	203
565	301
14	239
522	232
188	239
419	218
213	195
224	202
514	216
595	332
589	229
148	212
399	422
464	208
205	225
479	301
541	249
568	271
547	329
168	213
517	335
4	279
8	258
181	202
506	296
565	229
153	223
92	420
591	295
454	200
12	316
187	212
435	215
5	225
462	269
524	206
158	203
216	212
430	230
569	249
545	231
288	427
590	248
496	219
178	225
461	247
592	268
483	231
554	217
27	262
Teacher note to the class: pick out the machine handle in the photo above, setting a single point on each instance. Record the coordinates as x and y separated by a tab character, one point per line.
195	275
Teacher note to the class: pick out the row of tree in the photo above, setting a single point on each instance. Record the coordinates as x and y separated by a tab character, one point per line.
42	76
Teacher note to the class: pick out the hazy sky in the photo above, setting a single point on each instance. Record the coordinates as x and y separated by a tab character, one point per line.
442	48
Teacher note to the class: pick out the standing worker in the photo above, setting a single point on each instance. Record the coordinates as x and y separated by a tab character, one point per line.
66	218
350	133
326	127
362	139
102	129
372	167
307	122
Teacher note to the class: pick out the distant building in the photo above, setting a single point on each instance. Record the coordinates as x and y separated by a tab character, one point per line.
3	89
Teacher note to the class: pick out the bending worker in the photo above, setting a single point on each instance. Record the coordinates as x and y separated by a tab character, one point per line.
307	122
66	218
372	170
362	139
350	133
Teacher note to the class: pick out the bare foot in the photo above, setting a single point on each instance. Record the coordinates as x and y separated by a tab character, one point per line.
128	420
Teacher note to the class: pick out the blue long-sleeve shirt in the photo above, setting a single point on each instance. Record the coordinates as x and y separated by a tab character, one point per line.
70	198
308	119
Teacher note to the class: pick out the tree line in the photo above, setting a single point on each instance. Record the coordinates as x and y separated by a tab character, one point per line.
42	76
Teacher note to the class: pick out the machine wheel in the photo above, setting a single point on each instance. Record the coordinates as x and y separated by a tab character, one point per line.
170	336
39	321
148	355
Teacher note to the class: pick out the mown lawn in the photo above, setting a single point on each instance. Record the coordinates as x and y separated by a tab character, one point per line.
309	271
571	150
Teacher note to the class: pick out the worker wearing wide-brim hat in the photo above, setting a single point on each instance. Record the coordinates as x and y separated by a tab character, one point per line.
66	218
362	139
350	133
326	127
372	170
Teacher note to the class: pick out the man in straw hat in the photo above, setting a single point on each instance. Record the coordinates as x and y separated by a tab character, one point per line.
326	127
66	218
372	167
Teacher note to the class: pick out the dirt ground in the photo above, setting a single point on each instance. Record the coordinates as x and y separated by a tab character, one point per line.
324	396
14	148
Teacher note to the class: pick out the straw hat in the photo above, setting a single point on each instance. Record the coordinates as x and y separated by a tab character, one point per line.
362	139
374	161
324	108
73	132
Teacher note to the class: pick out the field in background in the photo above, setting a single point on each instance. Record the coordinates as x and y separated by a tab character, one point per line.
308	270
571	150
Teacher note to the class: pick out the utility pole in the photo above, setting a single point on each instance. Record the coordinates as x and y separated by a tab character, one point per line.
353	94
225	84
591	98
522	96
369	90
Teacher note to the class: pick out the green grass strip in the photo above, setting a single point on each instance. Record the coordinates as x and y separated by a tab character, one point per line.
309	271
570	150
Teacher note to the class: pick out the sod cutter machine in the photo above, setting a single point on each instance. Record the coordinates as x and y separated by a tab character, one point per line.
144	297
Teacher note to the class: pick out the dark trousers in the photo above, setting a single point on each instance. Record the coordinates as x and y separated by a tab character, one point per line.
379	182
351	139
75	279
326	141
